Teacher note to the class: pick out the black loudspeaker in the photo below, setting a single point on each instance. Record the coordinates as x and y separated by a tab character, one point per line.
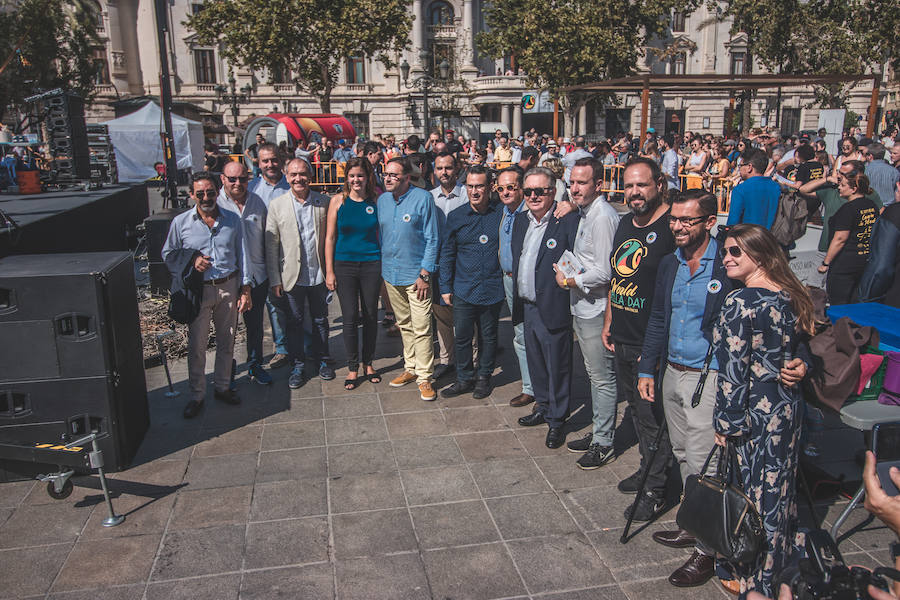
67	133
156	229
70	344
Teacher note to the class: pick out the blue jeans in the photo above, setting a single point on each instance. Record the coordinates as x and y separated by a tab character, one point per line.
600	366
253	321
295	302
465	316
278	320
518	339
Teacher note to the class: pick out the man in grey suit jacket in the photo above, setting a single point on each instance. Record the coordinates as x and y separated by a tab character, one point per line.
295	259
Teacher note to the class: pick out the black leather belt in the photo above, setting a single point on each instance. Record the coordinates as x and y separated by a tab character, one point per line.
221	280
683	368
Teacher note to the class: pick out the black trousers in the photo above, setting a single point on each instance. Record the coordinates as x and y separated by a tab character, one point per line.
549	354
841	287
465	317
647	416
358	284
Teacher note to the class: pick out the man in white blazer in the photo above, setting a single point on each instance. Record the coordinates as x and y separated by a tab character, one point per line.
295	259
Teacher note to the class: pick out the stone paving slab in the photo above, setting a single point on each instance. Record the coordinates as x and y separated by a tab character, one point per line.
370	494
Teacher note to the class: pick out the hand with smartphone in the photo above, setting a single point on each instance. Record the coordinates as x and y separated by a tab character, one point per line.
881	475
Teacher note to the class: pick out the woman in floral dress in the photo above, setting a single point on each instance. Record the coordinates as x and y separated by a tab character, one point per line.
759	412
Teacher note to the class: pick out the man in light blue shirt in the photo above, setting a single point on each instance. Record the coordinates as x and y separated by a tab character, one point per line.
409	252
270	184
215	237
249	208
670	161
570	158
882	176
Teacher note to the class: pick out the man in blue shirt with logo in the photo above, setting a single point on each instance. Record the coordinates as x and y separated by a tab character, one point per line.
409	252
472	283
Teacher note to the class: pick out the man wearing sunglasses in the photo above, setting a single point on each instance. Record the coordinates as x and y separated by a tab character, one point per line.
213	238
251	210
538	241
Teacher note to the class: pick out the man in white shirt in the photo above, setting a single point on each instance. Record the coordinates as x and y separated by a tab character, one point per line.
448	196
570	158
588	296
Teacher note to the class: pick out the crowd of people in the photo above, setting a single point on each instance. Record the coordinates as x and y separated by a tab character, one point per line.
702	336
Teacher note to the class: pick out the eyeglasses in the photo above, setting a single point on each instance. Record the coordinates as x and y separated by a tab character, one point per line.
537	191
734	251
687	221
511	187
206	193
393	175
242	179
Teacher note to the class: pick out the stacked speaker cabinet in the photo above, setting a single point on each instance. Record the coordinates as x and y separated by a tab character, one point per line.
70	344
156	230
67	133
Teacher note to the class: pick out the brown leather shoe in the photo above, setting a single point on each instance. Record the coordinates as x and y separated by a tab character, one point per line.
676	538
402	379
698	569
521	400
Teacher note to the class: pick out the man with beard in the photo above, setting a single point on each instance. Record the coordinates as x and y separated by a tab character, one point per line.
250	209
642	240
268	185
448	196
471	282
215	237
589	291
538	241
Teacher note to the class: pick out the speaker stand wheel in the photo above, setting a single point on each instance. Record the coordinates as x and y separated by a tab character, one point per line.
63	493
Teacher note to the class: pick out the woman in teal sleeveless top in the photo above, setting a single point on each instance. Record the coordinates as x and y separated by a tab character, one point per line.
353	266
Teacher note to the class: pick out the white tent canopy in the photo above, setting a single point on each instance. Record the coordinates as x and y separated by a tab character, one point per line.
138	144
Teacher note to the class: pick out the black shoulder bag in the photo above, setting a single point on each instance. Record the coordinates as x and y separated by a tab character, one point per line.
717	512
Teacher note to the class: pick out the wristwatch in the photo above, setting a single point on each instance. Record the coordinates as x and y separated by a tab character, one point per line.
426	277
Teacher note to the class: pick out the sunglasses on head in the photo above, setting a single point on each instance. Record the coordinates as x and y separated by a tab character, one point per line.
734	251
242	179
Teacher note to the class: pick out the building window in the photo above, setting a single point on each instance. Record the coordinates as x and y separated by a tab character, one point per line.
438	53
790	121
280	74
196	7
678	66
440	13
360	122
101	75
205	66
356	70
739	65
678	18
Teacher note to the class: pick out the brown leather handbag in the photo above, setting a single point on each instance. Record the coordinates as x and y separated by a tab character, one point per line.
835	374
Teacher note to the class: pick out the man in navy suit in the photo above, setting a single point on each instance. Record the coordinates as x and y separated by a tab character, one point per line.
538	241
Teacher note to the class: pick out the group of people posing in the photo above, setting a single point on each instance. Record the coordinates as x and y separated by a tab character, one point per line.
701	335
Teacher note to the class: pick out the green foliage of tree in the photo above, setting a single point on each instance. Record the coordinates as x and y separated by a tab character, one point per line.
818	37
49	44
560	43
311	39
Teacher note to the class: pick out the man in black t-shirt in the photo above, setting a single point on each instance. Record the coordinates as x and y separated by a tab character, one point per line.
807	167
642	239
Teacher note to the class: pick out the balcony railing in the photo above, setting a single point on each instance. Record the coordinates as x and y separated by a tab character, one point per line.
499	82
442	31
284	88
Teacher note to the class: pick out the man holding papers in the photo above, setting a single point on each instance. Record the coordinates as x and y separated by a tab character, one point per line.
586	274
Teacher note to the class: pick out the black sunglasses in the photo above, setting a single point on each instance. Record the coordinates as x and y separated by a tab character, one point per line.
242	179
734	251
687	221
537	191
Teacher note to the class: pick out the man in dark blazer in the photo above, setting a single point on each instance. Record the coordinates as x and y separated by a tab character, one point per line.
538	241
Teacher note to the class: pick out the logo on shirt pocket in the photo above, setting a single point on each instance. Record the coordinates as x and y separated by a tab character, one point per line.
483	239
551	243
407	218
371	210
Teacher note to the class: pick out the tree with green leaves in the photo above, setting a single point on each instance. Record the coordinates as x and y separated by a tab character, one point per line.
311	39
571	42
818	37
45	44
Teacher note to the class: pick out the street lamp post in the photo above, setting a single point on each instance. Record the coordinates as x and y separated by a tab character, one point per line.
425	83
231	95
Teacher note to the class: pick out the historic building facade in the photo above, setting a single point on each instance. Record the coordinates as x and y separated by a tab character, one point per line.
477	90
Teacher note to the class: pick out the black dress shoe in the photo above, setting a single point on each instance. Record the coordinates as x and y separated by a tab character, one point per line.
482	388
457	389
228	397
192	409
442	370
698	569
535	418
555	437
675	538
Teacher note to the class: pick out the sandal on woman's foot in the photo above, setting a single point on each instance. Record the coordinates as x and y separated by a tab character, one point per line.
352	384
374	377
732	586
